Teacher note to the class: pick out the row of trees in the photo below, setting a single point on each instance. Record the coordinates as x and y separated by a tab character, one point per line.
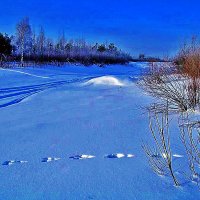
27	45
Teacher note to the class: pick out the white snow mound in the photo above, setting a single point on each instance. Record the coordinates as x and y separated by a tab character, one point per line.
105	80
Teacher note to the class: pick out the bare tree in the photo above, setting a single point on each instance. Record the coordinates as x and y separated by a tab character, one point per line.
49	47
34	43
62	43
41	41
23	30
160	157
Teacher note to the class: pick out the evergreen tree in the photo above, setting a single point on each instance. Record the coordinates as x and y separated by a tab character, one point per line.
5	46
101	48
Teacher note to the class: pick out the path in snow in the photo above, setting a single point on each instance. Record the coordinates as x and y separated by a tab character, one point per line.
14	95
25	73
85	156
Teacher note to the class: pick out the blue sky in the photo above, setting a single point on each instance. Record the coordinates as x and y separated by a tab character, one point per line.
153	27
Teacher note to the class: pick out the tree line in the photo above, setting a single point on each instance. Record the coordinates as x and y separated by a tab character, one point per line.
27	45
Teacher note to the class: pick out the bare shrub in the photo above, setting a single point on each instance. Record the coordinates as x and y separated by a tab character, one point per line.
188	63
190	137
188	58
160	157
178	83
165	82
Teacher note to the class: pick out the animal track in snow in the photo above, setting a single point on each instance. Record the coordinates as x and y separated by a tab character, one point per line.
50	159
165	156
119	155
75	157
81	157
11	162
177	156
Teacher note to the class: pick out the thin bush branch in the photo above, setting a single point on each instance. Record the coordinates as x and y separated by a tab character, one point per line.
190	137
164	82
160	159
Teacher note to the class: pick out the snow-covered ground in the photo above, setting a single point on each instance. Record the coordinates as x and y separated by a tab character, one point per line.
75	133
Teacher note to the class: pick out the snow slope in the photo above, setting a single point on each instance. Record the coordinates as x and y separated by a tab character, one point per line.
49	122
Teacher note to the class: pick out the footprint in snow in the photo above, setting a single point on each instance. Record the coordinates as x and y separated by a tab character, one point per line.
174	156
50	159
81	157
177	156
165	156
11	162
119	155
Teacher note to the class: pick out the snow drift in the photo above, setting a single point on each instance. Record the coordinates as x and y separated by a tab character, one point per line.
105	80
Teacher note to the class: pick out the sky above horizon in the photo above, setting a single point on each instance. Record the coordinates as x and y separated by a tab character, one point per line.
155	28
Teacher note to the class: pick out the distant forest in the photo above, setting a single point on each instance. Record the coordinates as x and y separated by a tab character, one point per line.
28	46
